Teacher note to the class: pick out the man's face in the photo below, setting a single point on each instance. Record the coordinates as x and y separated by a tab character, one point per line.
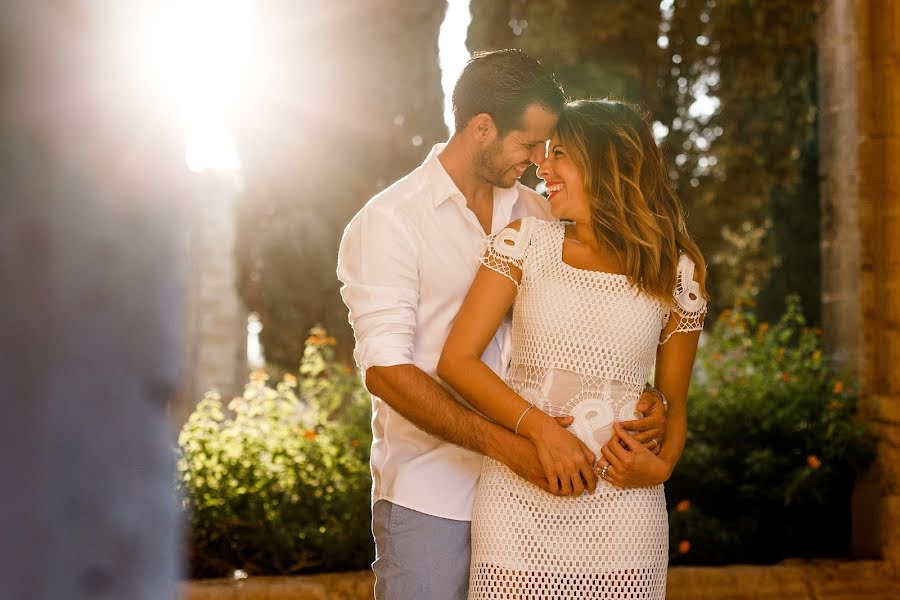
504	161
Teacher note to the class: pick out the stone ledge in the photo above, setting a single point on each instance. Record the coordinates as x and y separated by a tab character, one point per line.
790	580
331	586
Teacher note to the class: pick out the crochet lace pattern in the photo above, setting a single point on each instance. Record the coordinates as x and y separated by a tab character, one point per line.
583	344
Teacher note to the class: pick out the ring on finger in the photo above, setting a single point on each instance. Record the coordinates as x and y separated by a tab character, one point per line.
604	470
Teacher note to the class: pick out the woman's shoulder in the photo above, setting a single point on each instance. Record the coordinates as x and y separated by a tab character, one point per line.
533	229
531	225
687	293
514	240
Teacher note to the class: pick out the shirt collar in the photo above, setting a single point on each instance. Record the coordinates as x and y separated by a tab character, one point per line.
443	188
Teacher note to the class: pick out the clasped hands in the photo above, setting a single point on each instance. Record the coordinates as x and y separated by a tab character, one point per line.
630	456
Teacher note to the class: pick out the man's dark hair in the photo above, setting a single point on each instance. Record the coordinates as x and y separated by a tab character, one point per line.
503	83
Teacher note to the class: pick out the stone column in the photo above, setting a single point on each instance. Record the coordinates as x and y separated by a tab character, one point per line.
91	169
215	327
859	94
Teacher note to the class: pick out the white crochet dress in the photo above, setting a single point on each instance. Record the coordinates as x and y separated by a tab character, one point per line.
583	343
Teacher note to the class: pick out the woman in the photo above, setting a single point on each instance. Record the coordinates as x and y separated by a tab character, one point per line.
614	285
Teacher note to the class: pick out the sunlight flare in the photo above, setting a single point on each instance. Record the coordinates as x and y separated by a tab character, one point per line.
198	52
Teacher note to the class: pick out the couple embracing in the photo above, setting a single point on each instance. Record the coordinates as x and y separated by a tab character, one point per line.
507	340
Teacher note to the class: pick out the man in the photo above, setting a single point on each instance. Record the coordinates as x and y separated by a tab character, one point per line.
407	260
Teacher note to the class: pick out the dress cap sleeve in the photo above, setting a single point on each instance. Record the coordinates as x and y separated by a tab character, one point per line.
690	305
505	250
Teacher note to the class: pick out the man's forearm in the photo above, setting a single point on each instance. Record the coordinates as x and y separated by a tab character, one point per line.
422	401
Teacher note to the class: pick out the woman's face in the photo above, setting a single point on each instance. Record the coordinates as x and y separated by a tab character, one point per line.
565	184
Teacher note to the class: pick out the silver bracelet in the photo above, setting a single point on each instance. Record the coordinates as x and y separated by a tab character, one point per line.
650	388
519	422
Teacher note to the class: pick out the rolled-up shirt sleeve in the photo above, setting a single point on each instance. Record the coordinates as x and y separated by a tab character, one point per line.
378	266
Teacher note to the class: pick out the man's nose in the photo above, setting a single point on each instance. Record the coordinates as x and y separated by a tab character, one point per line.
538	155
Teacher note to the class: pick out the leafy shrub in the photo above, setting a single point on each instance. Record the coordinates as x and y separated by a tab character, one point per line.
773	447
279	483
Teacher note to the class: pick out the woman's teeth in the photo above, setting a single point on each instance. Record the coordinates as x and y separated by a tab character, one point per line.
552	189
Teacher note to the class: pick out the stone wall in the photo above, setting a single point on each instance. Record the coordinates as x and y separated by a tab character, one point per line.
859	95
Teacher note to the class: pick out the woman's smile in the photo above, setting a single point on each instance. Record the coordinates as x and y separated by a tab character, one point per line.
554	187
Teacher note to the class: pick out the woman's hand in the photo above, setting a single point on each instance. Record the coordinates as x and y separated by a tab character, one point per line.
650	430
567	461
631	465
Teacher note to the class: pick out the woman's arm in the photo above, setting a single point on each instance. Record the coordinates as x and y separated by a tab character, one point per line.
567	462
674	365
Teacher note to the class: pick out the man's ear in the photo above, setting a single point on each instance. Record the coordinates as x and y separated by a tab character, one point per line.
483	127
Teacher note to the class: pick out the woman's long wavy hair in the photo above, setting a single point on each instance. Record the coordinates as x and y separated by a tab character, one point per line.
633	206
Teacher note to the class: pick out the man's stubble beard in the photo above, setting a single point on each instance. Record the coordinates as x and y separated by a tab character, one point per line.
487	169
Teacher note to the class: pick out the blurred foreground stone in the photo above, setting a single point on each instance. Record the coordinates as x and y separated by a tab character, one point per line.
91	175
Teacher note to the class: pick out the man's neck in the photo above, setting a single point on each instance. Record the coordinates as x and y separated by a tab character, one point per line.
457	160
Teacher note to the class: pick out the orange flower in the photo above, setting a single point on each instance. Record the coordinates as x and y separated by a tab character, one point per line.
310	434
838	387
354	443
785	377
290	379
763	327
684	546
813	461
683	506
258	376
318	338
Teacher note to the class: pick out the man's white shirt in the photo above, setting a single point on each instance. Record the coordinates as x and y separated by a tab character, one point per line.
407	260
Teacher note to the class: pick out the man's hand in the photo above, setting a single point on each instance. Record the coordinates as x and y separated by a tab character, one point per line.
650	430
568	463
521	456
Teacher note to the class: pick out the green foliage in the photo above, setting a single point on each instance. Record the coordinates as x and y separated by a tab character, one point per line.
758	60
280	483
773	447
